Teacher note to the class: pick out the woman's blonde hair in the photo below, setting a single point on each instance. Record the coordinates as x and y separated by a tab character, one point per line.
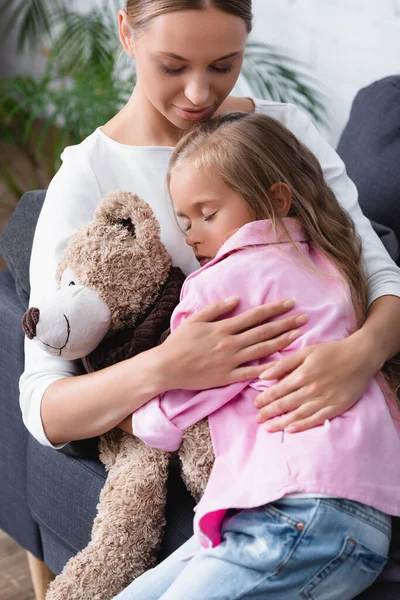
140	12
251	152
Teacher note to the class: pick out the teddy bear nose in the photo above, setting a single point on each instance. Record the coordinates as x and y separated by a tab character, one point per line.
29	322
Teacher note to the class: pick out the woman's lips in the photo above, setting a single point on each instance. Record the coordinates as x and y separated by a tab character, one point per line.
194	115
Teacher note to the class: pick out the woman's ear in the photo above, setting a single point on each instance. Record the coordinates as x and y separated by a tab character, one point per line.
281	194
126	33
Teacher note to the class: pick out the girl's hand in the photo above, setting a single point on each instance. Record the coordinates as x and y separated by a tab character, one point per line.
314	384
204	352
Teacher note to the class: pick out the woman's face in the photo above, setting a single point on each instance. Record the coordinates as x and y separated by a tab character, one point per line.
188	61
209	211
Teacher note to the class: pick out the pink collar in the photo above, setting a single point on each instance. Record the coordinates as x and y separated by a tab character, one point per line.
258	233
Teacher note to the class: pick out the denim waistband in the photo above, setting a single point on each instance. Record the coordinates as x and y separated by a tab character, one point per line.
366	513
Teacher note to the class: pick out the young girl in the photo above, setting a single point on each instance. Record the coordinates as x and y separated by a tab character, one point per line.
303	515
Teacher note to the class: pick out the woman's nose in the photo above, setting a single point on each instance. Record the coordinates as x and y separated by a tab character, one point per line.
198	91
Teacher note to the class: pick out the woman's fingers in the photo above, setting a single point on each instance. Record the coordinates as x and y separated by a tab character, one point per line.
245	372
271	330
256	316
265	349
213	311
314	420
285	404
279	369
292	386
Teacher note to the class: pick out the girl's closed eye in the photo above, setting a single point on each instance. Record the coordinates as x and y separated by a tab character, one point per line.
209	217
185	224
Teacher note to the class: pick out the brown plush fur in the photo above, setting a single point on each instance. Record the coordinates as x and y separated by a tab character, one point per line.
127	273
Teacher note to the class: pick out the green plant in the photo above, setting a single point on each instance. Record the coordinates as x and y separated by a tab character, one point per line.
86	82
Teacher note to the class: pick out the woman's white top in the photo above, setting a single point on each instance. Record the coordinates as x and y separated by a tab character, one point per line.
100	165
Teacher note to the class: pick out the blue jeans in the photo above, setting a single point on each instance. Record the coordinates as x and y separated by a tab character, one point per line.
297	548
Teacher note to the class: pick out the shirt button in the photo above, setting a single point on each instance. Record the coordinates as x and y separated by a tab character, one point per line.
300	526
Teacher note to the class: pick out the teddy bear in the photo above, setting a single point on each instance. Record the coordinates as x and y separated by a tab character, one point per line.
116	292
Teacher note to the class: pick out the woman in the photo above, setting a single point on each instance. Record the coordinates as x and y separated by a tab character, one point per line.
186	69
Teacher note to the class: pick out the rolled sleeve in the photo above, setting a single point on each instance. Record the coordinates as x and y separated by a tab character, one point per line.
151	425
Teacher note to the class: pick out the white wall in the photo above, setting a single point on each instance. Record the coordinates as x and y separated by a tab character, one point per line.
347	44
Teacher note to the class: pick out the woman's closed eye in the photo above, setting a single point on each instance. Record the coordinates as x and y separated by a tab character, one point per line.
170	71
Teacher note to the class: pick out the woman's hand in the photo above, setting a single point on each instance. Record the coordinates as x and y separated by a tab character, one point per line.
204	352
315	383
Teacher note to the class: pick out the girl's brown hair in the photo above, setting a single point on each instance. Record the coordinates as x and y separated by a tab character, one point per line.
250	153
140	12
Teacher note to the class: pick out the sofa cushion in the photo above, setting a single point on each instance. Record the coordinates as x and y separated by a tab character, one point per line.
17	239
370	148
15	516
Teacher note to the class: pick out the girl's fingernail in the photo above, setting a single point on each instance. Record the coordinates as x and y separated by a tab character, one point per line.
301	320
294	335
269	428
258	418
231	299
288	303
256	404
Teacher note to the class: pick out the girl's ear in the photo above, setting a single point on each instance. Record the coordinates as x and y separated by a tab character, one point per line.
126	33
281	194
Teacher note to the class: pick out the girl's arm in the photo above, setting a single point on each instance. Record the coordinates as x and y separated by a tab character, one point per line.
162	422
310	392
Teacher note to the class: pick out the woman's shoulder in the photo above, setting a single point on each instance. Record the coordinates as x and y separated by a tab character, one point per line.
287	113
84	150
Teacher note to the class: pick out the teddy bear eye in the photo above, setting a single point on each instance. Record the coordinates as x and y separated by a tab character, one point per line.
72	283
127	223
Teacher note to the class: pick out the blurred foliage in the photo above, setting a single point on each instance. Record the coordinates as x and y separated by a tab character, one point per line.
86	82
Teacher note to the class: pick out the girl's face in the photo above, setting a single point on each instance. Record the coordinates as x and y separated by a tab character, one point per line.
209	211
188	62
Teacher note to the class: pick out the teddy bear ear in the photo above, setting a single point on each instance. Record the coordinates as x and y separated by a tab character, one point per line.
130	226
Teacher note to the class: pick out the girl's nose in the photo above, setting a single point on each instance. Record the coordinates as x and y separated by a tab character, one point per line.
189	240
198	91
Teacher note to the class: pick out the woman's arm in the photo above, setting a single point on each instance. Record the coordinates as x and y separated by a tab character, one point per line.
87	405
204	352
381	331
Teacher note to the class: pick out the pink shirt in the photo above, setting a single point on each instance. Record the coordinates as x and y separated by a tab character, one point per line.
353	456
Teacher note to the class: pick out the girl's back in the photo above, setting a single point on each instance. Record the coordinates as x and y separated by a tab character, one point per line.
348	457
